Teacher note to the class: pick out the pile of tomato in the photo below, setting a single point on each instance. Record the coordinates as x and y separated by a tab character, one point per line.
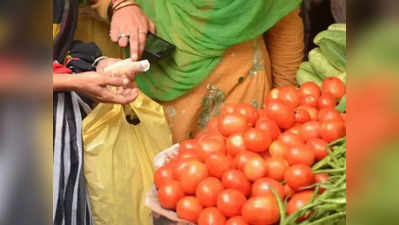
232	173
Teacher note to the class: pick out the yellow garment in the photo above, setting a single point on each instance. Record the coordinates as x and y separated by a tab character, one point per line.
118	159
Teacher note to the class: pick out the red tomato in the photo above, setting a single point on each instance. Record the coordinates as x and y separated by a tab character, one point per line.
319	147
289	95
288	191
257	140
276	167
237	220
162	175
217	164
309	130
333	86
300	154
247	110
290	139
194	173
309	88
281	113
309	100
213	125
188	145
272	95
242	158
201	136
298	201
209	145
295	129
232	123
327	101
236	179
189	155
301	115
263	187
211	216
311	110
189	208
268	126
299	176
278	149
321	178
332	130
261	210
262	114
169	194
230	202
343	115
228	108
208	190
329	114
235	144
255	168
180	166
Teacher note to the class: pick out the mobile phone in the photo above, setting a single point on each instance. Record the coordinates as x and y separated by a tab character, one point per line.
157	48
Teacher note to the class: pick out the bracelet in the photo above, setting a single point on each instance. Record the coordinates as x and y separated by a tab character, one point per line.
119	4
123	5
96	61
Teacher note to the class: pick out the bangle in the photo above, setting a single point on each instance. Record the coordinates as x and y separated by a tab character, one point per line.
96	61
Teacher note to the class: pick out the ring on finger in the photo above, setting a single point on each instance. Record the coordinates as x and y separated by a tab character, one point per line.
123	36
142	32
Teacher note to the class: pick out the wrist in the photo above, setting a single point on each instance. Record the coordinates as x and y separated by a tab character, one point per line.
116	5
64	82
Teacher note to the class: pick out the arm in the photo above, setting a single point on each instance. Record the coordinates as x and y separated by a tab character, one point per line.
285	42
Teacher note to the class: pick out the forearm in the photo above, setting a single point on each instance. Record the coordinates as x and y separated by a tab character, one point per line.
64	82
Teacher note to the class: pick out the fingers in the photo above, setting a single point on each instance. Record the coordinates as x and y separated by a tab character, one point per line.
134	45
115	81
123	41
127	96
114	33
151	26
142	39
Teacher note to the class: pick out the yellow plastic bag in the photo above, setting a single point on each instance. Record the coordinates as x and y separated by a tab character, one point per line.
118	159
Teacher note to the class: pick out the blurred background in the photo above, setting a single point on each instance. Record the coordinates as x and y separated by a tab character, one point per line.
373	107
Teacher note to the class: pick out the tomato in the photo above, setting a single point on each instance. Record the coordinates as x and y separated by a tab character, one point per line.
278	149
329	114
232	123
236	179
301	115
298	201
208	190
213	125
268	126
311	110
237	220
180	166
300	154
299	176
217	164
257	140
309	88
209	145
211	216
194	173
319	147
188	145
288	191
343	116
235	144
169	194
276	167
309	130
289	95
295	129
242	158
272	95
248	111
332	130
290	139
321	178
263	187
255	168
230	202
333	86
281	113
261	210
162	175
189	208
228	108
189	155
262	114
327	101
309	100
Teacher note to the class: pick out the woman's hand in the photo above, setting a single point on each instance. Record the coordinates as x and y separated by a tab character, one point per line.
129	71
132	21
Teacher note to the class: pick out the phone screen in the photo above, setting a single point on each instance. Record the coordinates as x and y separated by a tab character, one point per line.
157	47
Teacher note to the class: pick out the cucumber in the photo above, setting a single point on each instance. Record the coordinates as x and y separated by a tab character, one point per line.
333	35
306	73
334	53
338	26
321	65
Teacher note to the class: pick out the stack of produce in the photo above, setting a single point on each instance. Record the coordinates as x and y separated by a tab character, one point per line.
283	164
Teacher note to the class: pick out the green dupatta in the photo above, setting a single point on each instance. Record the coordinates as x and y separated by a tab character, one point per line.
202	30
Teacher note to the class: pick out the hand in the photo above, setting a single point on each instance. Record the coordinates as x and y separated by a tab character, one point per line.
97	86
132	21
127	70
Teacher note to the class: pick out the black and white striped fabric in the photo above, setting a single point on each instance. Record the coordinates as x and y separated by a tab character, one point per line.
70	199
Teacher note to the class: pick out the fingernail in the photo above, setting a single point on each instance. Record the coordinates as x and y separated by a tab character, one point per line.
125	81
144	65
134	56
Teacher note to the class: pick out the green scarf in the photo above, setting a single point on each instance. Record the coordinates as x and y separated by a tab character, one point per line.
202	30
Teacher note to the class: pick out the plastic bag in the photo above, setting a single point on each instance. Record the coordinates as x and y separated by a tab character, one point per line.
118	159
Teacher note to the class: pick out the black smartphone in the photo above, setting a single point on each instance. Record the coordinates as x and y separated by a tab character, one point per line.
157	48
